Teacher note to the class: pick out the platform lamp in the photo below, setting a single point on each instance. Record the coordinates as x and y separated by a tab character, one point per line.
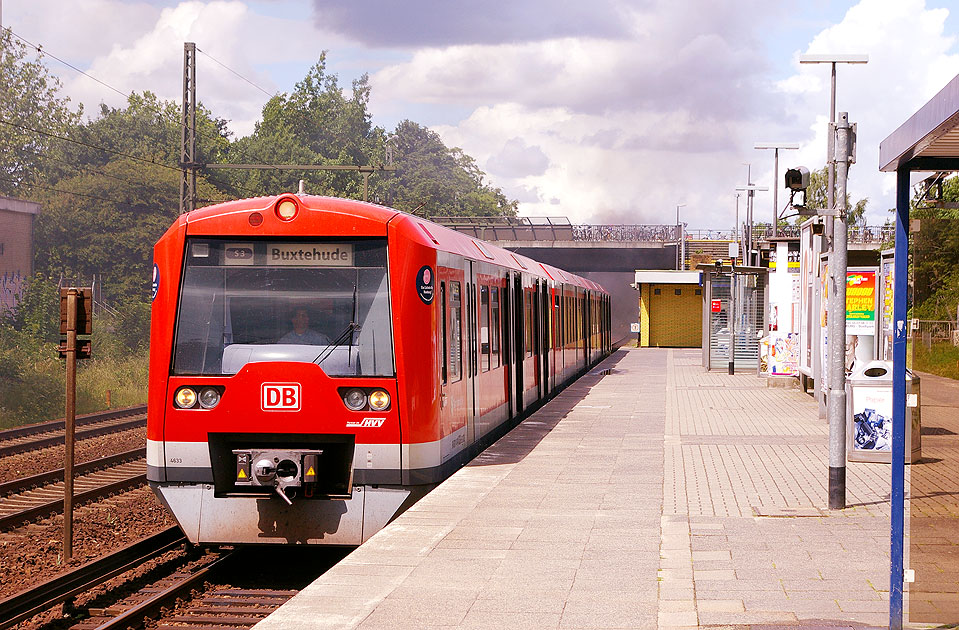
830	152
776	146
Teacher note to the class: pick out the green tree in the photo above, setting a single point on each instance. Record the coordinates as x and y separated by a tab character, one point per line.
315	124
29	99
935	256
433	180
818	193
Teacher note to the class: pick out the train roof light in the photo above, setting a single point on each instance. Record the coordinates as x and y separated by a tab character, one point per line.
286	209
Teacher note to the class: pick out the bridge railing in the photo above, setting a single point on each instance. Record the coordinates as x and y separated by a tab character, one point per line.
649	233
561	229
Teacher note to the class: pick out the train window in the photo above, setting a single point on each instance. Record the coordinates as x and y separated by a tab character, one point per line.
325	302
456	333
444	366
494	328
484	328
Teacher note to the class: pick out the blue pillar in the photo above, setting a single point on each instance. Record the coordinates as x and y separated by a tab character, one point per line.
897	499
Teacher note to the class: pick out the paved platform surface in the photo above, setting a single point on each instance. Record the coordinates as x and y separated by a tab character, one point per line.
654	496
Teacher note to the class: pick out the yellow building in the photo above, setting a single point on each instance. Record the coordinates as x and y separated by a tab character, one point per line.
670	309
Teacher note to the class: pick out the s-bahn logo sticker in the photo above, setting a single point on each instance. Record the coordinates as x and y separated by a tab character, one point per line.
280	397
238	254
424	284
155	286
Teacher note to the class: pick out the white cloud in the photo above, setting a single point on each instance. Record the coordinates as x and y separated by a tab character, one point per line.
137	47
911	58
632	127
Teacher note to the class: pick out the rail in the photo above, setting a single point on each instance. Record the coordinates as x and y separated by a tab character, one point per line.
55	425
106	427
27	483
26	604
42	508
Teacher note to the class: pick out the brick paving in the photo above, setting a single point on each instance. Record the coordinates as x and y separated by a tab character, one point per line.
655	496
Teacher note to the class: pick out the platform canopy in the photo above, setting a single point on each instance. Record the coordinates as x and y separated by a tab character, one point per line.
929	140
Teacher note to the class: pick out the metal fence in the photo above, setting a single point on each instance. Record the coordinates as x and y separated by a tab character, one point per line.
935	331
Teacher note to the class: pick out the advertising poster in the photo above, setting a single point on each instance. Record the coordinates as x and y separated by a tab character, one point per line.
872	419
779	355
861	303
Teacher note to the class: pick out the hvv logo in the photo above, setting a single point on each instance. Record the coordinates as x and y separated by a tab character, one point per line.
280	397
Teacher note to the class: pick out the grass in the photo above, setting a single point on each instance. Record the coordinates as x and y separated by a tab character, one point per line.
38	391
942	359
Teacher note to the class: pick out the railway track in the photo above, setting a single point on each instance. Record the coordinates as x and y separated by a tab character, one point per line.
67	586
30	498
36	436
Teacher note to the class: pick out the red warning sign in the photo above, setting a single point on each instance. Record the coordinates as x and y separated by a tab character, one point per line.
717	306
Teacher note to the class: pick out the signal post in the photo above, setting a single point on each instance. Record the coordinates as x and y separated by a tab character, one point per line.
76	309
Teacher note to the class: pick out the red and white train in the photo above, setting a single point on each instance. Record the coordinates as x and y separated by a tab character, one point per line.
318	364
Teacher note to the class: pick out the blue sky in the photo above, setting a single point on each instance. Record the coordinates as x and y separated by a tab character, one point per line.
608	111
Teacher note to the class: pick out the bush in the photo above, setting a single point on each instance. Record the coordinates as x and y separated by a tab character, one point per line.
32	378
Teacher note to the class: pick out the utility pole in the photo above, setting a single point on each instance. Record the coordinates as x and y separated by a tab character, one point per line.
750	191
776	147
189	164
188	131
836	325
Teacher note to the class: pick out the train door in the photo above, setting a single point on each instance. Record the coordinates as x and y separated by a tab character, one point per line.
537	338
544	335
556	352
453	385
519	339
472	353
507	349
588	328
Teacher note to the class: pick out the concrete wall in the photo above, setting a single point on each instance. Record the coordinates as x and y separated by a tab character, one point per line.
16	247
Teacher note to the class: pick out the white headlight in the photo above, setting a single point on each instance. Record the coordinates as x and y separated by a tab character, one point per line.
209	397
355	399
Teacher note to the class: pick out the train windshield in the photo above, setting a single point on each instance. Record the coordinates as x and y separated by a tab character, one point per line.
319	301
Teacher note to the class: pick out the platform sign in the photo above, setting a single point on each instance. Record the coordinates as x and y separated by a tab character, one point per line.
634	327
716	306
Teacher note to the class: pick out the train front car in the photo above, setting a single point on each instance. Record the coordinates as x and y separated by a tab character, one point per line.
274	409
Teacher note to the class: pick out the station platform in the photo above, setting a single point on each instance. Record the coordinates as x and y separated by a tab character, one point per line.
648	494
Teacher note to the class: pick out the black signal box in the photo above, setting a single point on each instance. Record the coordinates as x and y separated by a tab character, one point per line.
84	311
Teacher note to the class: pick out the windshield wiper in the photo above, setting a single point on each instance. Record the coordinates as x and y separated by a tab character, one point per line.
350	329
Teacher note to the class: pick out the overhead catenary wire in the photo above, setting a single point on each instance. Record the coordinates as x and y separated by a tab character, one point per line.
43	51
226	67
70	192
88	145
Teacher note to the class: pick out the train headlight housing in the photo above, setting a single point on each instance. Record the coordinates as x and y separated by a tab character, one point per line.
355	399
185	398
379	400
286	210
209	397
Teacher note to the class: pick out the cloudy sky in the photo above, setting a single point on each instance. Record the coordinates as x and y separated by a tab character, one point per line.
609	111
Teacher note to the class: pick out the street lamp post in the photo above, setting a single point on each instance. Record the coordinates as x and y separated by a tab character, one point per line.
776	147
830	150
682	240
836	332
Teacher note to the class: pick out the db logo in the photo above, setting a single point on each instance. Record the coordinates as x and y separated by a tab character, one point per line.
280	397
